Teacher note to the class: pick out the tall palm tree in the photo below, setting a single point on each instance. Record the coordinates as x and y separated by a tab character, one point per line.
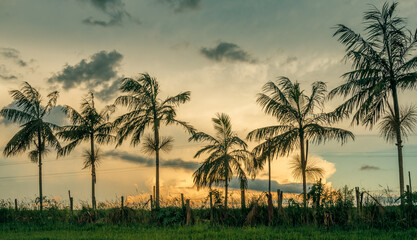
91	126
35	132
298	121
383	63
228	156
147	110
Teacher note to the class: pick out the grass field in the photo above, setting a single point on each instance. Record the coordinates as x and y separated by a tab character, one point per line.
95	231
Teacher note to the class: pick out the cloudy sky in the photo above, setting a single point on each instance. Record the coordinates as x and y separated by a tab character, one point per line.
222	51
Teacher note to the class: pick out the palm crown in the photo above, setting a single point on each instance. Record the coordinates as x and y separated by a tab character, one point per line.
88	125
382	63
147	110
35	132
298	121
227	155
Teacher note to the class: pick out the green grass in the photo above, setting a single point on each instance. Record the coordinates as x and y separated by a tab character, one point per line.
105	231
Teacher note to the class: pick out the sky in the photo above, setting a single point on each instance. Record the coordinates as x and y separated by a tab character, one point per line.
221	51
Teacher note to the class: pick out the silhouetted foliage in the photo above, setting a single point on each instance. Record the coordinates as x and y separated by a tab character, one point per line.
147	110
34	131
383	63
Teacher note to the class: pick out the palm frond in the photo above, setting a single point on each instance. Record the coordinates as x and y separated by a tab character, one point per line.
407	124
312	170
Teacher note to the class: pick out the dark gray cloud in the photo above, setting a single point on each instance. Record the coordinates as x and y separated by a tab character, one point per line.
114	9
262	185
182	5
55	116
109	91
97	71
228	52
14	55
172	163
367	167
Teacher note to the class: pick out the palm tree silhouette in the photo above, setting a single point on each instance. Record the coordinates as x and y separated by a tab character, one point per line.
88	126
295	111
264	153
227	156
383	63
312	171
147	110
408	123
35	131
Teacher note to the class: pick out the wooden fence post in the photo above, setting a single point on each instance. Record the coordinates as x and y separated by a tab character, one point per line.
409	181
72	205
357	200
188	213
279	199
15	204
71	202
182	201
122	201
151	202
154	196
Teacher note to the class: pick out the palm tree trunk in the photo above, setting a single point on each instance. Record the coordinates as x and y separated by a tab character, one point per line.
93	174
269	173
40	169
157	165
303	169
242	194
225	188
399	142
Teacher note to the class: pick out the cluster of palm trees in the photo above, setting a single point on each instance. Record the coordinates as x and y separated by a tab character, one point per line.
145	111
383	64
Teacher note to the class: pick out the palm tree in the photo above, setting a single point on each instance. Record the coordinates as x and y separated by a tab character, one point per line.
312	171
383	64
265	152
407	124
147	110
34	131
298	122
227	156
91	126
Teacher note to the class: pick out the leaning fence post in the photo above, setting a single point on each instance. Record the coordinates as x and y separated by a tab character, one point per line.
15	204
